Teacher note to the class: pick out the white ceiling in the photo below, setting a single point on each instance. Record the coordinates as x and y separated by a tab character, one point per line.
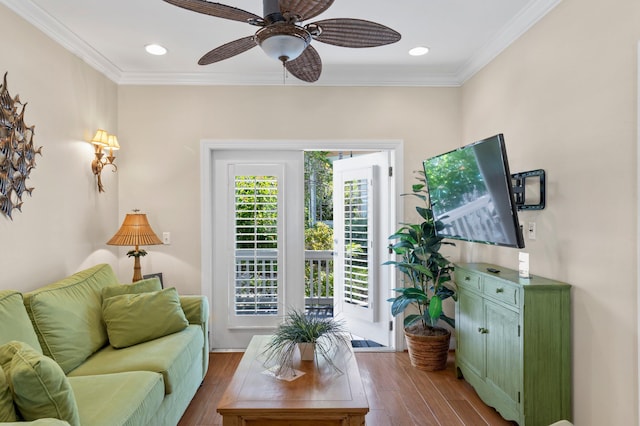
110	35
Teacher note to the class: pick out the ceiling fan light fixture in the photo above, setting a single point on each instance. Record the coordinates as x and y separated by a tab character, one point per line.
283	42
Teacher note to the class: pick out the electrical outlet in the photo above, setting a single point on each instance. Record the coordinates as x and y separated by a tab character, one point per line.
531	230
166	238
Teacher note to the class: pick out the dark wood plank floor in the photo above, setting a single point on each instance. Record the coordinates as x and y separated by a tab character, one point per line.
398	394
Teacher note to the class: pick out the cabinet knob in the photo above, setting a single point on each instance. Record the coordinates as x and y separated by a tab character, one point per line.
467	278
499	290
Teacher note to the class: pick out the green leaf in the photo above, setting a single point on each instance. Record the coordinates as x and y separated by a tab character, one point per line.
435	309
410	319
399	305
448	320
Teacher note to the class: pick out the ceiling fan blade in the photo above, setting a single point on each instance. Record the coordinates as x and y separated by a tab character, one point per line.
305	9
216	9
348	32
307	67
228	50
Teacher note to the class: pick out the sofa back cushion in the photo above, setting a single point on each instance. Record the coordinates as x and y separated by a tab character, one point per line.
14	321
67	315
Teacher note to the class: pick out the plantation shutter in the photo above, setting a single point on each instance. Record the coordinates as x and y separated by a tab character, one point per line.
354	230
256	224
356	241
256	245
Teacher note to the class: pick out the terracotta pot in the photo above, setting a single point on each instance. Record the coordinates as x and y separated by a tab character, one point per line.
307	351
428	352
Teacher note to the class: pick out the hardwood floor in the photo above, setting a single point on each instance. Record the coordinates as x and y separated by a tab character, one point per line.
398	394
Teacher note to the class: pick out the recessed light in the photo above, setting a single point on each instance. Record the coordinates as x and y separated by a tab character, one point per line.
155	49
419	51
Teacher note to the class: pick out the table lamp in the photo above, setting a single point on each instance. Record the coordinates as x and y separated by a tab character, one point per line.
135	231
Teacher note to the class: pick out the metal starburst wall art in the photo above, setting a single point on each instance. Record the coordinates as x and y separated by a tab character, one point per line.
17	152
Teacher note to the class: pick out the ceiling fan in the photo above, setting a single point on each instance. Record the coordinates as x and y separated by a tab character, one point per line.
283	36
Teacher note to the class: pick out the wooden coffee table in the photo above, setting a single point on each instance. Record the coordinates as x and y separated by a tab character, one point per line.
321	396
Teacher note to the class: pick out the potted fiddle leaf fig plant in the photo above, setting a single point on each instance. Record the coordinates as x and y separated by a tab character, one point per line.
427	283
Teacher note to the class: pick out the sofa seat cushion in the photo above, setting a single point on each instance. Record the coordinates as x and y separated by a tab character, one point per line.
19	326
170	356
118	399
67	315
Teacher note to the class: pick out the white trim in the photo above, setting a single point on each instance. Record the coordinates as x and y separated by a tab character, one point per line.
638	218
336	75
207	146
62	35
526	19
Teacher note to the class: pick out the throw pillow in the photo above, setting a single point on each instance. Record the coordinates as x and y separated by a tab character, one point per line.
7	409
137	318
142	286
39	387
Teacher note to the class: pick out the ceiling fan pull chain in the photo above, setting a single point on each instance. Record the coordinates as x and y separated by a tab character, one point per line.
285	74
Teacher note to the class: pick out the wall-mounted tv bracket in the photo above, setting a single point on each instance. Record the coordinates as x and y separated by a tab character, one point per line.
519	181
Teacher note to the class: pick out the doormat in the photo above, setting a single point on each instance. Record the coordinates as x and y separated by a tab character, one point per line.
365	344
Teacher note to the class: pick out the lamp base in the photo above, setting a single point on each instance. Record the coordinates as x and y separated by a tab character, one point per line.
137	271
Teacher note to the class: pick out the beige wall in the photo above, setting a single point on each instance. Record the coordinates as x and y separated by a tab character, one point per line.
64	224
163	127
565	97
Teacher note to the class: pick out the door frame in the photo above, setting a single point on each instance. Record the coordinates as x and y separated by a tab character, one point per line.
638	208
208	146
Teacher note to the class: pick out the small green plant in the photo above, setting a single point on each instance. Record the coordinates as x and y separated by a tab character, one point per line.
425	269
325	333
318	237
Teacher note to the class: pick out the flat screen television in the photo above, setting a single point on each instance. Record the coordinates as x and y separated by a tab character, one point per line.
471	193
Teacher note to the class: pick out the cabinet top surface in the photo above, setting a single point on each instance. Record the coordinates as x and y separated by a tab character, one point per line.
509	275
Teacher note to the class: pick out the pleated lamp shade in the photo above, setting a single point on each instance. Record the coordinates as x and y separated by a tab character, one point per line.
135	231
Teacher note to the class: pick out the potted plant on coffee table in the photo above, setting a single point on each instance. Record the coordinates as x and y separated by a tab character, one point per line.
309	334
425	271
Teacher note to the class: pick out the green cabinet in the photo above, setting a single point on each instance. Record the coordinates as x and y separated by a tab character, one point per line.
513	338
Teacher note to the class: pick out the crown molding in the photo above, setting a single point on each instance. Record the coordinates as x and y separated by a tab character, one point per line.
63	36
335	76
519	25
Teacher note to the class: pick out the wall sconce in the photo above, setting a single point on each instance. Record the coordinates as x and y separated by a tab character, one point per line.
103	141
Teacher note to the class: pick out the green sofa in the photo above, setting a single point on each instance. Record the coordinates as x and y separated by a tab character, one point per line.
149	379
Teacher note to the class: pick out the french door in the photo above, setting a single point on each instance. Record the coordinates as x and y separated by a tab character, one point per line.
361	201
253	266
258	262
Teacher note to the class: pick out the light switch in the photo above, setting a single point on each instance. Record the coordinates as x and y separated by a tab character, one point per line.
166	238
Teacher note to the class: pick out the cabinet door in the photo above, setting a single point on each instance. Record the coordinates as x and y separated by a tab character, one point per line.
470	343
503	362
